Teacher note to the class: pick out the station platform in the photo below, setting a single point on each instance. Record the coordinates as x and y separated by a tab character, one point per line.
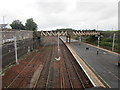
90	74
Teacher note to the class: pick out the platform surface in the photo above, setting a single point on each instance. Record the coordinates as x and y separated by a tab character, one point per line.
105	64
91	75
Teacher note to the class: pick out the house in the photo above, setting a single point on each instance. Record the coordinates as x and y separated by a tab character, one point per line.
3	26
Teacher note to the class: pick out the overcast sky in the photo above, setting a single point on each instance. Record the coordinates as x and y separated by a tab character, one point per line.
53	14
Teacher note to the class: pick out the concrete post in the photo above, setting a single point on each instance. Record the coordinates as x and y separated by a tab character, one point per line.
15	45
113	45
98	41
58	42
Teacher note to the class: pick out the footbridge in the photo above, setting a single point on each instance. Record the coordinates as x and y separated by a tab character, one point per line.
68	34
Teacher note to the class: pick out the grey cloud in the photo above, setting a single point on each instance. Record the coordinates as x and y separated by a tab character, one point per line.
98	9
51	14
51	7
109	12
97	12
90	6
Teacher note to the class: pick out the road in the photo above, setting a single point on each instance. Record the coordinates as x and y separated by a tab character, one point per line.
104	64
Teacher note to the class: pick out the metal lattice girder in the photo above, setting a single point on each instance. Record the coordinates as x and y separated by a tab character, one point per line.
66	33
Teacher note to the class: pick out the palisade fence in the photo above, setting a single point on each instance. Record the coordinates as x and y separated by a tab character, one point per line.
25	43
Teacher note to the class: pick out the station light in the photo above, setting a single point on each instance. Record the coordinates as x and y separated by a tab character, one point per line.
99	36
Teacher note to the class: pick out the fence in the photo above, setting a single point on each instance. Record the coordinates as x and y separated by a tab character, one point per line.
25	43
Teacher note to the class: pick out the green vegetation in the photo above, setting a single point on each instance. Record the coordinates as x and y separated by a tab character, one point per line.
29	25
65	29
106	41
70	29
17	24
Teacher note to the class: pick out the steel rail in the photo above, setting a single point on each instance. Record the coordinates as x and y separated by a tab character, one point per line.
24	69
69	76
79	77
36	83
50	67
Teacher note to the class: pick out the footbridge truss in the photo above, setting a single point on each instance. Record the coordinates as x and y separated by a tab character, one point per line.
68	33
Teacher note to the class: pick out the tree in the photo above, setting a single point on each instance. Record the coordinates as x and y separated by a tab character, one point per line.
17	24
30	24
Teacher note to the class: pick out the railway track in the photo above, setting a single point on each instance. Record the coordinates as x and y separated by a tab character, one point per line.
73	67
20	77
45	79
42	79
65	73
73	76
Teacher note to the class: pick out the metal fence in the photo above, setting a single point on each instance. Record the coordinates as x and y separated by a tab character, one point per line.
8	50
7	36
25	43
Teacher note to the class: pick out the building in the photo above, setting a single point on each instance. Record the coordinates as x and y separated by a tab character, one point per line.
3	26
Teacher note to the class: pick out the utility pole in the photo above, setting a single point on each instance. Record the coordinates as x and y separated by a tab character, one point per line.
97	27
3	20
98	41
15	45
58	42
98	36
80	38
58	58
113	44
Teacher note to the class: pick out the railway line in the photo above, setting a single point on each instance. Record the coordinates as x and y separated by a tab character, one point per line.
77	77
42	70
23	71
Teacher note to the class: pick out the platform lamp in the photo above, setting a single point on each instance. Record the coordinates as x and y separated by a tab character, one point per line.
99	36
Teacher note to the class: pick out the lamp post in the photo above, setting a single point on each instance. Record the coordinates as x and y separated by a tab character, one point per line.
80	38
58	58
98	36
113	44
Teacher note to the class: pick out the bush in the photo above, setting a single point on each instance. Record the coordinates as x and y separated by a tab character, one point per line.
106	44
107	40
